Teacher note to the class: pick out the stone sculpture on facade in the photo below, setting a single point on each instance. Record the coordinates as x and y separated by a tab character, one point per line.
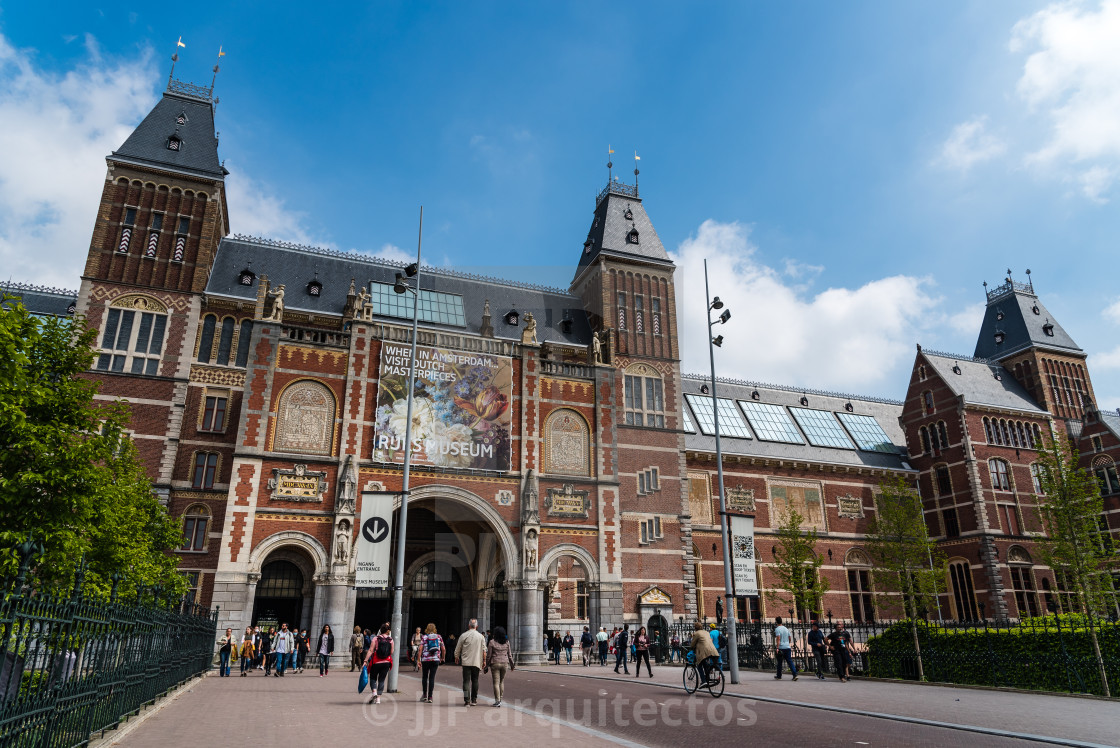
347	487
274	304
530	496
529	334
596	349
531	549
342	543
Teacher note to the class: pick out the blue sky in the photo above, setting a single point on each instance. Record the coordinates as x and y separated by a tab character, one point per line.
853	170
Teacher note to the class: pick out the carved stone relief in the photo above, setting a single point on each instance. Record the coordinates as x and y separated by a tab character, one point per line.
566	444
504	498
740	499
850	507
305	419
567	502
297	484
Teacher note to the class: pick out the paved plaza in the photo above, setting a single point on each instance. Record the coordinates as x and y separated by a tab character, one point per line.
592	706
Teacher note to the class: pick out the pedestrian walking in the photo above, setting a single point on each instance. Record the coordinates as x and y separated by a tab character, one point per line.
248	651
783	642
641	649
414	649
303	648
717	641
557	645
675	647
432	653
367	642
603	640
257	655
840	642
499	656
357	644
325	649
569	642
283	645
586	642
266	650
470	652
225	651
622	641
380	661
818	648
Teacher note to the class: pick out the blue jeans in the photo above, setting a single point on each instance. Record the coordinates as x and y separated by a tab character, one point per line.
292	660
786	655
247	664
281	662
223	664
620	659
568	652
324	663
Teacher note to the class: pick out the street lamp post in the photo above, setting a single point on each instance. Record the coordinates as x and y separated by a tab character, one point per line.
724	520
401	286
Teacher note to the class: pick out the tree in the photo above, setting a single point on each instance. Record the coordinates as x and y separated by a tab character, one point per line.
908	569
797	565
69	478
1075	545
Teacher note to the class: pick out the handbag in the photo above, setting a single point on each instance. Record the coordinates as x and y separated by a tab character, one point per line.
363	679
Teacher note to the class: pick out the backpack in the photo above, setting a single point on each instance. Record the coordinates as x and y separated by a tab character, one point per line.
384	647
431	643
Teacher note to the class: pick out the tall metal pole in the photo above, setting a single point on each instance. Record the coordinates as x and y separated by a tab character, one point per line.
402	530
729	598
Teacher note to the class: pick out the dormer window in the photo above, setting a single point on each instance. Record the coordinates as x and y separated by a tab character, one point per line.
956	369
999	315
512	317
632	237
174	143
1048	329
1035	309
999	337
587	247
629	214
315	288
246	277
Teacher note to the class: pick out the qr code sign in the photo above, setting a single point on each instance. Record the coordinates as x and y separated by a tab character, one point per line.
744	546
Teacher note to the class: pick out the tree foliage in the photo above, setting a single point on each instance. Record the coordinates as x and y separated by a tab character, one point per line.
1077	545
909	569
69	477
797	565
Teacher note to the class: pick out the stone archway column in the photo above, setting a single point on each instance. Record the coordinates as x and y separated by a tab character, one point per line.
482	610
593	612
527	599
332	601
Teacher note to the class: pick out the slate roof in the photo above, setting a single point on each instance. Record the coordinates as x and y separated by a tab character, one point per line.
977	382
57	302
610	228
1023	324
885	412
198	153
295	266
1111	421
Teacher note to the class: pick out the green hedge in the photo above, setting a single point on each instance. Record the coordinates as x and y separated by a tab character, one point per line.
1041	656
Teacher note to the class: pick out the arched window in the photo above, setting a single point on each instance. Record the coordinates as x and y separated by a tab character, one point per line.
1105	470
243	338
1003	432
944	482
206	338
567	441
999	474
1037	436
927	400
1036	477
943	433
644	397
1048	595
225	342
926	446
205	471
859	585
196	524
1023	441
988	431
922	373
962	593
1022	581
133	338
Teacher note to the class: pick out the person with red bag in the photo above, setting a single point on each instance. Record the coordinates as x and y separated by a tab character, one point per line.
380	661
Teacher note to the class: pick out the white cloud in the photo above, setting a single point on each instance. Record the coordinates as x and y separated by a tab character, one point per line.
970	144
256	210
851	339
55	131
1072	76
1105	361
967	321
1112	312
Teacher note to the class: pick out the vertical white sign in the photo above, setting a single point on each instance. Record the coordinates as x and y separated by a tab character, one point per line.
374	538
742	556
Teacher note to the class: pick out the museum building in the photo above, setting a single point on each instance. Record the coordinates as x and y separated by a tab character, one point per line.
565	471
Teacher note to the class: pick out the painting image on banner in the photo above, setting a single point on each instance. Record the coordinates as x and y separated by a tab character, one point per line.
461	411
743	556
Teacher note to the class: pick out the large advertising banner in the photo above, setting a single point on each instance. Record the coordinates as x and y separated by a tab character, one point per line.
461	411
742	556
374	539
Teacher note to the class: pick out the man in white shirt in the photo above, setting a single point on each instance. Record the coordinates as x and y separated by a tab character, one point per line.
602	638
282	645
470	652
783	643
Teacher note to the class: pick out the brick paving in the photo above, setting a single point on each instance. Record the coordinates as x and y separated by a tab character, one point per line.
548	704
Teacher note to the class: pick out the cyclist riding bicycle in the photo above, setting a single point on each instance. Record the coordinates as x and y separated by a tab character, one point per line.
703	650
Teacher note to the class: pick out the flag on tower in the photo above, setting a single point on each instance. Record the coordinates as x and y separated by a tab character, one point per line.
180	43
220	52
637	157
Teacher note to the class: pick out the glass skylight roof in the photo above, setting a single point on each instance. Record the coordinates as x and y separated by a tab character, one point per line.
867	432
821	428
435	307
731	423
771	422
687	422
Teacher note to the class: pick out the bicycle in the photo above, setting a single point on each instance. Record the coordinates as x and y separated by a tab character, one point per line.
692	682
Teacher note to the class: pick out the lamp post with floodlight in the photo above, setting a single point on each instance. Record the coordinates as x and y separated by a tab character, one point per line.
713	343
401	286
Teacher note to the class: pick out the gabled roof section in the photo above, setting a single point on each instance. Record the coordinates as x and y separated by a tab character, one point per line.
185	114
1016	320
620	227
41	300
981	382
1111	421
297	265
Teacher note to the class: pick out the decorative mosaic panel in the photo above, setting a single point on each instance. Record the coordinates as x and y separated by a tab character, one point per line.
700	498
566	444
305	419
740	499
566	502
850	507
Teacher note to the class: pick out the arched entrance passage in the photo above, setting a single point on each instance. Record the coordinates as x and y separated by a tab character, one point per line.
571	589
279	595
499	603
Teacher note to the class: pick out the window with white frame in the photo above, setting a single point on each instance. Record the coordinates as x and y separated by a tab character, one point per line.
997	469
133	337
649	530
644	398
214	406
648	481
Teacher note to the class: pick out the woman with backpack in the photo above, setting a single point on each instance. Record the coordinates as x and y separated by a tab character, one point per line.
432	653
380	661
498	658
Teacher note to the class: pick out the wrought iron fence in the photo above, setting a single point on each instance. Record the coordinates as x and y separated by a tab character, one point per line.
71	666
1051	653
